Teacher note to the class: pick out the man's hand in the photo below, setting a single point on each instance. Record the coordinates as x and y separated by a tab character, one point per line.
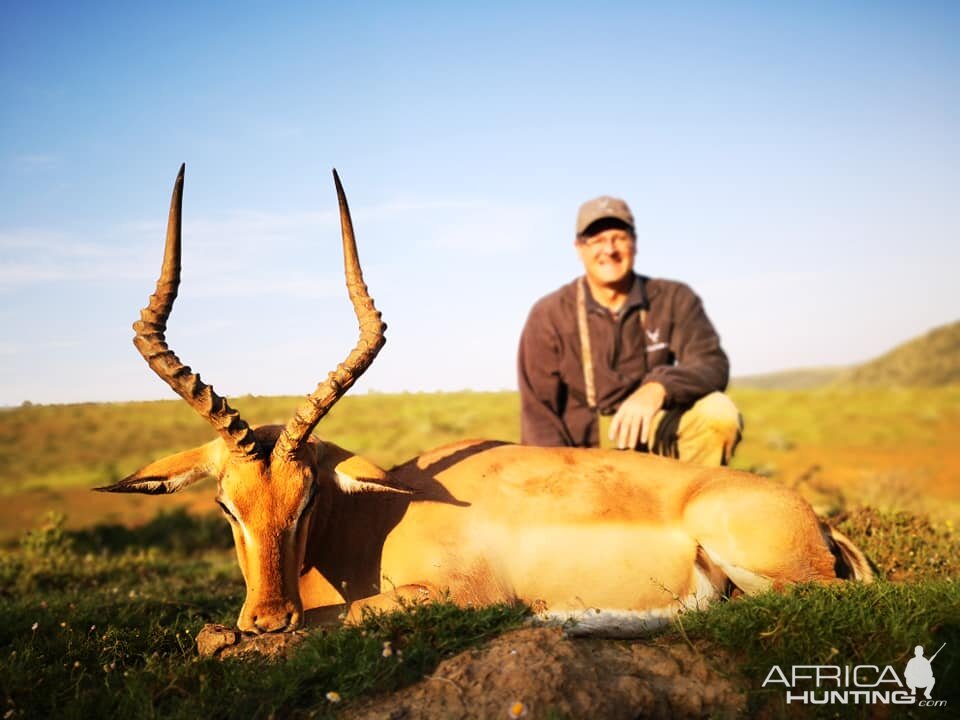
635	415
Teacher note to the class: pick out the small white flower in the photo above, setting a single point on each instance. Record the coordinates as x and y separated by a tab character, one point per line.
35	626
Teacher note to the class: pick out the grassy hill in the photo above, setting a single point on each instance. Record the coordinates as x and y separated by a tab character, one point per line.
931	360
796	379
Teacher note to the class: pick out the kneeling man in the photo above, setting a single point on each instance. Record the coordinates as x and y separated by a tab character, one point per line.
618	359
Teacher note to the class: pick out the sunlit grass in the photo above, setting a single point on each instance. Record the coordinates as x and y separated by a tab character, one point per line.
847	624
101	623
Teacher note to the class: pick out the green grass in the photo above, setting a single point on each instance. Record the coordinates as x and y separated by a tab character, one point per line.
847	416
849	624
100	623
116	608
931	360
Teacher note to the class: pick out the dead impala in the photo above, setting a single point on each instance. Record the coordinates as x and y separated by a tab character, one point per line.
562	529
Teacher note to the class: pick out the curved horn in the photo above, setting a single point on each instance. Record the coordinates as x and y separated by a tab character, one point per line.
371	340
151	343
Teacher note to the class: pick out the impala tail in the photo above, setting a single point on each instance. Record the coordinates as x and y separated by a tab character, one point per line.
849	561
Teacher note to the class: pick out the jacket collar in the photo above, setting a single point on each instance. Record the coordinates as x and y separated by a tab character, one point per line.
636	298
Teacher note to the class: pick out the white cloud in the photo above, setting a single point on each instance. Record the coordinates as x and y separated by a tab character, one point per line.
231	250
33	257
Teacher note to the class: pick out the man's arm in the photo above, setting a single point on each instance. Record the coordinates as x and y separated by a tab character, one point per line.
702	366
542	392
635	415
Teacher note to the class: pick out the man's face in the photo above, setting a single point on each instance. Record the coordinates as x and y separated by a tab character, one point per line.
607	256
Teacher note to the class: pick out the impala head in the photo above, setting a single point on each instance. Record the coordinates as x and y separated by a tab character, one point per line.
273	482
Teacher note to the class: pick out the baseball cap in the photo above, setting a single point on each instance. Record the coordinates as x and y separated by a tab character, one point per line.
601	208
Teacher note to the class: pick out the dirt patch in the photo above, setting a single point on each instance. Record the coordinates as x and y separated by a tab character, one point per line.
535	672
920	478
538	673
223	642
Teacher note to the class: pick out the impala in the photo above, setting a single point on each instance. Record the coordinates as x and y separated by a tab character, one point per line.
319	529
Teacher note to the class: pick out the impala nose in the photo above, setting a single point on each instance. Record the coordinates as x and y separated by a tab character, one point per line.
276	622
271	623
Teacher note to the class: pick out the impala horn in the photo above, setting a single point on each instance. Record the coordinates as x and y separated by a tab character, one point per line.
346	373
151	343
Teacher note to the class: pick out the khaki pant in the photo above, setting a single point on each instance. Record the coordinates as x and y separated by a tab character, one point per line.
706	433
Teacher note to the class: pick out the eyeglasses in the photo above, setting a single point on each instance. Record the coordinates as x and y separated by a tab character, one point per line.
620	240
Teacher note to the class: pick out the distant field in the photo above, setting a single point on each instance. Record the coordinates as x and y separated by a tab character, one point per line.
840	445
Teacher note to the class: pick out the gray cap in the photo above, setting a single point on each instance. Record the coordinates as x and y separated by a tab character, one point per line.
601	208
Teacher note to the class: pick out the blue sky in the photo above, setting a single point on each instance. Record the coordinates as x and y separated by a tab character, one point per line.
798	167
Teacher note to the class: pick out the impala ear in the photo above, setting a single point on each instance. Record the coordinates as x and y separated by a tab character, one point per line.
167	475
358	475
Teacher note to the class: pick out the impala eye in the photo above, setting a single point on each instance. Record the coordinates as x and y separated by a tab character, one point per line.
226	511
313	497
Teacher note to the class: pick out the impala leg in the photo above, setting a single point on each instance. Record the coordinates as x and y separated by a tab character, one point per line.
329	616
337	614
395	599
760	536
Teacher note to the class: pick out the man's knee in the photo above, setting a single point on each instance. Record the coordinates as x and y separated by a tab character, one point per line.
710	430
718	413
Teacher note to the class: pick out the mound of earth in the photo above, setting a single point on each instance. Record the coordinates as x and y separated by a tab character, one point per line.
537	673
